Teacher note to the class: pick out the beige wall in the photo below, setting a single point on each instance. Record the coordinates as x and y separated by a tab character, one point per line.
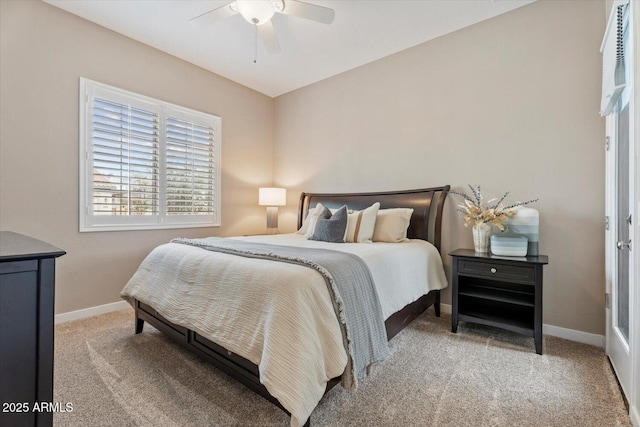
510	103
43	52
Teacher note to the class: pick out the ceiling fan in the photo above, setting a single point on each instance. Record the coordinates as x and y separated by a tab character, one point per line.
260	12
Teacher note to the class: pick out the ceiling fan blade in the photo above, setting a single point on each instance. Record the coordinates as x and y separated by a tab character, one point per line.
313	12
269	37
214	15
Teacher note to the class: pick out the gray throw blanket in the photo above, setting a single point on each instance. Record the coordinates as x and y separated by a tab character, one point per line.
350	284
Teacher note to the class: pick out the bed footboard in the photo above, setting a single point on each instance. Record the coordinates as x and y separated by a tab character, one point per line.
243	370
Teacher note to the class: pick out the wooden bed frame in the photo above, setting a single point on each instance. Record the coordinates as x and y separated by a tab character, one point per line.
426	224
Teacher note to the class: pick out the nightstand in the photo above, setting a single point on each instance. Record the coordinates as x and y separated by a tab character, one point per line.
505	292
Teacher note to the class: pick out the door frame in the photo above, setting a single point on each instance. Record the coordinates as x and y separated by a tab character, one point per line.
634	398
627	363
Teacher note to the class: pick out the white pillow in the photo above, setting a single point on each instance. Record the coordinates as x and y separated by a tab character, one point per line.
360	224
392	224
309	223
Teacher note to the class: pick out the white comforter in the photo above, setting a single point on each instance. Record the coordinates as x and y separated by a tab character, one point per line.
278	315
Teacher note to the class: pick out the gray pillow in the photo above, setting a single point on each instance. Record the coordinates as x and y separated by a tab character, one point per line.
331	228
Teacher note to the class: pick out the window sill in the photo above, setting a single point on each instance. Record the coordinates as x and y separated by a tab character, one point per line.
140	227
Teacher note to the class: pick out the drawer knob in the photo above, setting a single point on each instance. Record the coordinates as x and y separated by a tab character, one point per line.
493	270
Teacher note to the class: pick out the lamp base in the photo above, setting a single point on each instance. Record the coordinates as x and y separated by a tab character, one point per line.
272	220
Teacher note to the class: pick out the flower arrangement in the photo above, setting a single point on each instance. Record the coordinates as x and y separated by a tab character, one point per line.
494	212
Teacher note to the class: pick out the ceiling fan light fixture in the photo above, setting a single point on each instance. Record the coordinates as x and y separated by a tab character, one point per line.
256	12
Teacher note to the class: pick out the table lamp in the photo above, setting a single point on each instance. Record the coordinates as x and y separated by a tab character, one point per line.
272	198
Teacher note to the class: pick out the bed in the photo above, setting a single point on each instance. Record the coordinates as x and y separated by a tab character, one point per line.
253	355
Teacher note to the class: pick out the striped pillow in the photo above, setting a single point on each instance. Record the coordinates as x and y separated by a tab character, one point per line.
360	224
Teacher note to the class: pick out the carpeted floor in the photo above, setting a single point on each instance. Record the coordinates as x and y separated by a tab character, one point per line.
478	377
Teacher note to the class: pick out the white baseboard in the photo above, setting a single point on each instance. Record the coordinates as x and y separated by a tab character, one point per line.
91	311
556	331
445	308
573	335
635	417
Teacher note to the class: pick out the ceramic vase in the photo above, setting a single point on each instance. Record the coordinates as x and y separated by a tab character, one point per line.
481	236
509	243
526	221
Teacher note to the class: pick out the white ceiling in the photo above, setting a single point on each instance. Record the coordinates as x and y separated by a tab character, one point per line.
363	31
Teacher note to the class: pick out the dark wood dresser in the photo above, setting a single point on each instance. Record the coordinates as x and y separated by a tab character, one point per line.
27	277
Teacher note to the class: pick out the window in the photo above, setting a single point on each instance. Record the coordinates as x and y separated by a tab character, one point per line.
145	163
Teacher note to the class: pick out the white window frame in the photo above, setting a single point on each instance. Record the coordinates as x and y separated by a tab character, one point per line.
89	222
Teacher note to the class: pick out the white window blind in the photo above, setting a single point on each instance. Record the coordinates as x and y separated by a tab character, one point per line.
145	163
613	57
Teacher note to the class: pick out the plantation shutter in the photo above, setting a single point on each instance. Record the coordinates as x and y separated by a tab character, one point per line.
190	167
125	146
146	163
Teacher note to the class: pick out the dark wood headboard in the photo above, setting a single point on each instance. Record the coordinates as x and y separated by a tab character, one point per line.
427	204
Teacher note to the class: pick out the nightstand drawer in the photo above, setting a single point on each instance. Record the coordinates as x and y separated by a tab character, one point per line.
497	271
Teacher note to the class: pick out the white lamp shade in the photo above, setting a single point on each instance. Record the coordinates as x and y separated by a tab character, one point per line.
256	11
272	196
